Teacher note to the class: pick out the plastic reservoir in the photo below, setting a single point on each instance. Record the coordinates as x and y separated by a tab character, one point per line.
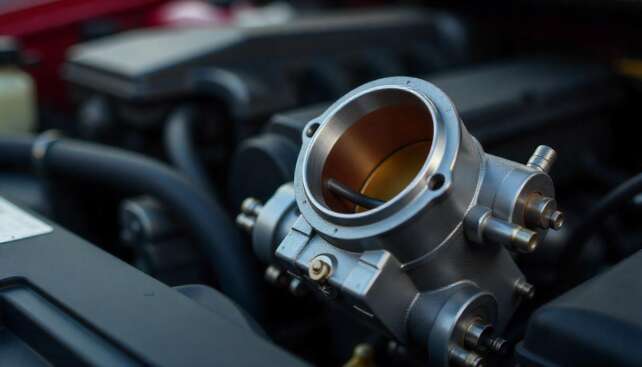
17	101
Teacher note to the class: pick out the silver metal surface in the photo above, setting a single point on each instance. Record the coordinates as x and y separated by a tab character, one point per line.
250	210
464	358
273	222
541	212
435	255
251	206
245	222
475	332
482	228
543	158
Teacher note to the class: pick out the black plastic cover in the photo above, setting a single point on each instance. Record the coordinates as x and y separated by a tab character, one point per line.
509	106
259	70
499	101
64	301
598	323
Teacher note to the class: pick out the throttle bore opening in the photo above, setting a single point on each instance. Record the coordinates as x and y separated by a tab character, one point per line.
381	141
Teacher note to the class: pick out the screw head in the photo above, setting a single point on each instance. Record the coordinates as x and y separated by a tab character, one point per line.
320	269
316	266
309	132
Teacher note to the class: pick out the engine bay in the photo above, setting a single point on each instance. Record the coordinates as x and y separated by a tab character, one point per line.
345	183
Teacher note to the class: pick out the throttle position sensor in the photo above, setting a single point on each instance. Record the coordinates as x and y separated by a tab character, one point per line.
397	213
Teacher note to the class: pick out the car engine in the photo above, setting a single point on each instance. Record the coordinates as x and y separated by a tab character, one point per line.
345	183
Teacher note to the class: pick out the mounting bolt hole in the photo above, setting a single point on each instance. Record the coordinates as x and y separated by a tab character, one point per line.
435	182
309	132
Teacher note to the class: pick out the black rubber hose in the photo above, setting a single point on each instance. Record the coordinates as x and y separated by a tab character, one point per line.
15	152
207	221
178	138
580	235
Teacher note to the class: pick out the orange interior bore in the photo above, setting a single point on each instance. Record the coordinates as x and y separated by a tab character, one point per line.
380	153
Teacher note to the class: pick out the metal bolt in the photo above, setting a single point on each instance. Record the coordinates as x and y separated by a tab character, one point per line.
251	207
496	344
555	219
245	222
296	287
524	240
543	158
275	276
461	357
542	212
320	269
482	227
475	330
516	237
479	336
309	132
524	289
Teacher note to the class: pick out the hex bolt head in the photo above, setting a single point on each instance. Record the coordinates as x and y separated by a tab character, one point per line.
320	269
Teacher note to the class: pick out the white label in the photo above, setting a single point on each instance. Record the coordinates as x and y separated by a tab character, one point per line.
16	224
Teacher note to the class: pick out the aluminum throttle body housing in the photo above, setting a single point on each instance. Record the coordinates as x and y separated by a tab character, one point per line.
397	213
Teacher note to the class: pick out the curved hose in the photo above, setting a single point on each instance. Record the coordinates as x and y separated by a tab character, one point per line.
207	221
583	232
15	151
179	146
